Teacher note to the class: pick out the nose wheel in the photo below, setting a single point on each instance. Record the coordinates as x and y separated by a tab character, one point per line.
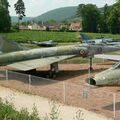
53	70
90	64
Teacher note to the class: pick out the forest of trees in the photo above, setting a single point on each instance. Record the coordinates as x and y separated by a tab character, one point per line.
5	22
102	20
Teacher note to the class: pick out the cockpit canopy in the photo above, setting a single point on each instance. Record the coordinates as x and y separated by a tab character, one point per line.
116	66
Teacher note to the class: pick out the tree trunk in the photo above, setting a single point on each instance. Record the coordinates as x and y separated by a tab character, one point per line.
18	23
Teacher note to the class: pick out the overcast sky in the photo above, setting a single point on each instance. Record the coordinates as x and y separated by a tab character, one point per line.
38	7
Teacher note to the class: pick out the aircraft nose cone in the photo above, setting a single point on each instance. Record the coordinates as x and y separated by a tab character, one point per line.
110	49
91	81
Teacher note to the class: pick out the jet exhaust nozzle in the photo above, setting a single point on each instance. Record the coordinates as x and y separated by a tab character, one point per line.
91	81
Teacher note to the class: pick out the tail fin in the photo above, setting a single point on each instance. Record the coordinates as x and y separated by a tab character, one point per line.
9	46
85	37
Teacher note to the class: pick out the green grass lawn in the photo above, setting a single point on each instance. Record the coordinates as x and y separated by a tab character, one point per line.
61	37
108	35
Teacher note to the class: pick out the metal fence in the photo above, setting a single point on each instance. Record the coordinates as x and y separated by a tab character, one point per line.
103	102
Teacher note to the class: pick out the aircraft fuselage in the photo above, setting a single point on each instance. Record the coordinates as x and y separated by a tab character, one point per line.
8	58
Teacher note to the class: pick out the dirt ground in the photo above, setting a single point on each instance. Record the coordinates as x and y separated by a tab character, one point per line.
71	88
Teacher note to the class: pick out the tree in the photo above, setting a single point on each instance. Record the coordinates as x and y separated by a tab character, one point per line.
103	25
51	21
114	18
5	21
90	17
20	10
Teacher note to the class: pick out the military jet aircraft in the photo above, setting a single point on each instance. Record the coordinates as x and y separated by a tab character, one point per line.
89	40
110	76
49	43
102	41
113	42
16	56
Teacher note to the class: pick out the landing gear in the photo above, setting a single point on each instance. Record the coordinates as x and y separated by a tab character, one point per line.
91	62
53	70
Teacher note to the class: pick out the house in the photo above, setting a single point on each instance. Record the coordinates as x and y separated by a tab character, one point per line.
53	26
30	26
23	27
75	26
36	26
64	27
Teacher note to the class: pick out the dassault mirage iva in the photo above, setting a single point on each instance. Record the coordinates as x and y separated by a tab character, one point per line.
17	57
102	41
89	40
110	76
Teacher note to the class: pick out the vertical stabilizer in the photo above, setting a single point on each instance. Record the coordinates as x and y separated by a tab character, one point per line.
7	46
85	37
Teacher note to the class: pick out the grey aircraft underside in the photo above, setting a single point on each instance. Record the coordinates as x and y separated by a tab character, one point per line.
110	76
16	56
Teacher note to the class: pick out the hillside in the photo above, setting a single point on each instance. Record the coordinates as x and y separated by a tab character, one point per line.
59	14
14	19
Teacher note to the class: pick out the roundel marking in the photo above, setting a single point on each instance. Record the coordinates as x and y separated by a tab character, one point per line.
82	52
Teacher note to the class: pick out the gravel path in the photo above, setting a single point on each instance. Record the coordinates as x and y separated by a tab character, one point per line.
21	100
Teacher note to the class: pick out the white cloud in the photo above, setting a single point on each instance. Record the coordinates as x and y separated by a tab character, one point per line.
37	7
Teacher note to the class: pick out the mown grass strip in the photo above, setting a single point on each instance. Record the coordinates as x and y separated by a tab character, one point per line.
61	37
24	36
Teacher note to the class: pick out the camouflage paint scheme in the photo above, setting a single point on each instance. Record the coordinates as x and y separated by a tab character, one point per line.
78	50
16	54
11	57
110	76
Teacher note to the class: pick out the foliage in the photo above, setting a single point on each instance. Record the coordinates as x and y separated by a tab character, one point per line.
59	14
54	112
114	18
103	25
90	17
102	20
20	10
51	21
14	27
8	112
5	21
79	115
